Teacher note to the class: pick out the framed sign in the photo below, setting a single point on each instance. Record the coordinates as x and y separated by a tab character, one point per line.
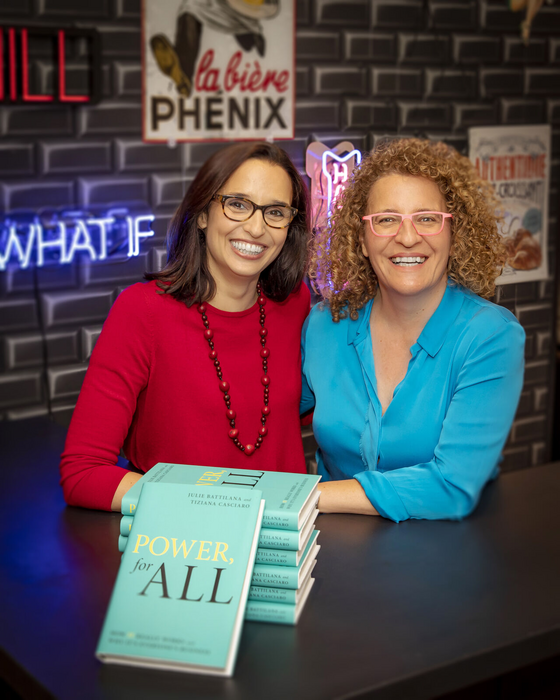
516	160
218	70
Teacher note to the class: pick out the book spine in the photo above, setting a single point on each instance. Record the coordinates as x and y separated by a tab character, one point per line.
277	576
285	596
258	611
280	521
128	504
277	557
269	538
126	524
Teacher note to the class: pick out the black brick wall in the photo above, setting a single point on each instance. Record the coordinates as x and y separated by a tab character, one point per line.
365	69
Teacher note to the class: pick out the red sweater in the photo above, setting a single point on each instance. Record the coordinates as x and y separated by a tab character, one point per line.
151	389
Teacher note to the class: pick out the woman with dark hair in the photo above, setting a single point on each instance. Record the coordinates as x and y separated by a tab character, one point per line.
413	373
201	364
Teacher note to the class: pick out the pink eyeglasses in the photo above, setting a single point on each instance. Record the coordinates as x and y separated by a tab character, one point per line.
425	223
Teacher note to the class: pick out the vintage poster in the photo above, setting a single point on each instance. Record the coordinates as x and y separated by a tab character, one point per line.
516	160
218	70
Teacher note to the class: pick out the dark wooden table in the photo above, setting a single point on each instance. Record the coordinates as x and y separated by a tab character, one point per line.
413	610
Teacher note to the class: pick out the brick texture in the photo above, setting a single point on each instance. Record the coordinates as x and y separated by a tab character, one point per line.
340	81
476	49
17	159
391	82
522	111
516	51
403	15
348	12
452	15
366	70
81	157
424	48
371	47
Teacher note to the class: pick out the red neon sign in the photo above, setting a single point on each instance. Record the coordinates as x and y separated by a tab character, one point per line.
12	54
27	97
14	64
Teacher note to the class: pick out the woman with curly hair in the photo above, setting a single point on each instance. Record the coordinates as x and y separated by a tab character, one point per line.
413	373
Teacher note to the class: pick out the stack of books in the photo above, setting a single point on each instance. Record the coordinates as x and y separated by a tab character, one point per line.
287	545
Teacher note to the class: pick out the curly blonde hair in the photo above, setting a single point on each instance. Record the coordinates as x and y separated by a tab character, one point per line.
345	277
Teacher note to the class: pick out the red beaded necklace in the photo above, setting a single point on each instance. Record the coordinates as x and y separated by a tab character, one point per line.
224	386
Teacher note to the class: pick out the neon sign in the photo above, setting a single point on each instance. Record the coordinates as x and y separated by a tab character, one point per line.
329	170
58	238
14	64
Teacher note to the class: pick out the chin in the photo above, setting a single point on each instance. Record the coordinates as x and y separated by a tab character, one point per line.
410	289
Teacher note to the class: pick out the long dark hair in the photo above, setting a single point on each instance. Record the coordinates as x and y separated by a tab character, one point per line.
186	275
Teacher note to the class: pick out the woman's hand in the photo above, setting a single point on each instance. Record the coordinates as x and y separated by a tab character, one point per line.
344	497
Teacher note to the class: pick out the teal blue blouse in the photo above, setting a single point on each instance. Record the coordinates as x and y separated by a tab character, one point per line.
440	440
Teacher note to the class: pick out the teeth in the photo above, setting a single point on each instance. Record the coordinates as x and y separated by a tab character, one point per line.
250	248
408	261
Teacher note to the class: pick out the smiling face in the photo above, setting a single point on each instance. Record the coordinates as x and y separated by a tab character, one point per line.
407	264
241	250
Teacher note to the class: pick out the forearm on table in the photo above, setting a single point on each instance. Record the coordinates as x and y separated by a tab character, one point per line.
345	496
126	483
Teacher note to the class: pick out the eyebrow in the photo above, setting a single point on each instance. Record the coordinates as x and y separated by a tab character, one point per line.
276	202
418	211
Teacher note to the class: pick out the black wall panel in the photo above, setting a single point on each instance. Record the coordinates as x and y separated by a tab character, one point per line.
365	69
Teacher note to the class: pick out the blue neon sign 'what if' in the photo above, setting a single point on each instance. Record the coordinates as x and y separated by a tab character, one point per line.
23	243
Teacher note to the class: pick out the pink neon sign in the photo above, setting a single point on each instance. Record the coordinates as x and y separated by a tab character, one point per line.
329	170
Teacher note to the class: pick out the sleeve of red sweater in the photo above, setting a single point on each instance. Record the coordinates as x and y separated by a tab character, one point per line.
118	371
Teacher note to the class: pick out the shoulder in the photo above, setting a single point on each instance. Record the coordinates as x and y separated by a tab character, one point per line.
297	302
320	322
145	295
133	294
130	302
482	321
486	314
139	293
301	296
142	306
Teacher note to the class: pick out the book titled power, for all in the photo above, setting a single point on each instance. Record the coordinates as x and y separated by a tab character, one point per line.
181	590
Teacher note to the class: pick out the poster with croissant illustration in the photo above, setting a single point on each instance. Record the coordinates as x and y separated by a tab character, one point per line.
516	160
218	70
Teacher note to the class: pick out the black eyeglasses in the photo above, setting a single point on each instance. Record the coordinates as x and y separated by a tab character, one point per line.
241	209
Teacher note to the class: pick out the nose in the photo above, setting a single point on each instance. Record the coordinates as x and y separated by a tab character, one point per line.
255	225
407	235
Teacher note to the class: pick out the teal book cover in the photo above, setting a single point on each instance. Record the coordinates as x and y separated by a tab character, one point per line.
181	590
270	538
289	497
287	576
276	557
278	613
287	596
